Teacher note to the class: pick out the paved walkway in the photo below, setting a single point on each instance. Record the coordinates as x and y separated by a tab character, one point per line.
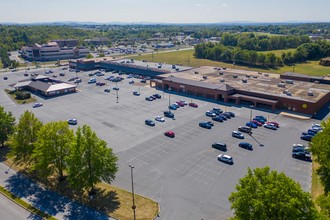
298	116
43	199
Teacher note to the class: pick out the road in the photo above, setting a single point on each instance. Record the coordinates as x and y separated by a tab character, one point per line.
10	210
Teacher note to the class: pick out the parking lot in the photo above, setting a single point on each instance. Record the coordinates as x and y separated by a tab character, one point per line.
181	173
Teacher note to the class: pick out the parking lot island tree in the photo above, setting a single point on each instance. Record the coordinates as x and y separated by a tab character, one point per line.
320	148
22	141
90	161
52	148
7	123
266	194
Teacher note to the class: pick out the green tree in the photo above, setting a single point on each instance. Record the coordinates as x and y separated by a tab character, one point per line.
323	201
22	141
90	161
265	194
7	123
320	147
51	149
89	56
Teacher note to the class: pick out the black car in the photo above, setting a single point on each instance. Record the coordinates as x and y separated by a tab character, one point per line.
157	96
232	114
302	155
217	111
217	118
107	90
168	114
245	129
210	122
149	122
245	145
226	115
205	124
306	137
220	146
5	78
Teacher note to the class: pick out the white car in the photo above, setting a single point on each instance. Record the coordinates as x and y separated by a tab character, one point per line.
160	119
72	121
184	102
225	158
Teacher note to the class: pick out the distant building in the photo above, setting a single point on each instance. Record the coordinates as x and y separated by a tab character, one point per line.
52	51
67	42
158	35
164	45
98	41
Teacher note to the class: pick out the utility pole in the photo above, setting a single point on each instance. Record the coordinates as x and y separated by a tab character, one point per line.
133	206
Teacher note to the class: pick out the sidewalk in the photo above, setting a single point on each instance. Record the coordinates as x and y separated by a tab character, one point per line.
47	201
297	116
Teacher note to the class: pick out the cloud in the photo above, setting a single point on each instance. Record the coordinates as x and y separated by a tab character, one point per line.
224	4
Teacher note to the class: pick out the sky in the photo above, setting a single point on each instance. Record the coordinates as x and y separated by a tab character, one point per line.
168	11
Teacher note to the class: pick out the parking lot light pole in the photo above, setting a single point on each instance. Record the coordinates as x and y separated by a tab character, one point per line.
117	93
252	107
133	206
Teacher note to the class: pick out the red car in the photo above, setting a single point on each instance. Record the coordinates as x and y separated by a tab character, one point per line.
181	104
256	122
274	123
192	104
169	134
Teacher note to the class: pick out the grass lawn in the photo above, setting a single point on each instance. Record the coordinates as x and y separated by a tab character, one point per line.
186	58
278	52
25	204
317	188
25	101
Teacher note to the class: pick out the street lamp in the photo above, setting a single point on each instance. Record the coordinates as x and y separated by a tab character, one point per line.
252	107
133	206
117	92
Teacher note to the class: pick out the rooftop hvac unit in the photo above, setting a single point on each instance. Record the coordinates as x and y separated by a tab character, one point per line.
235	76
244	80
222	80
255	77
196	72
282	85
248	76
310	93
259	73
221	73
204	77
316	81
289	81
266	74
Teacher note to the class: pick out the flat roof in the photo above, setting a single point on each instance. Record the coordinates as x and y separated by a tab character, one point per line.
264	83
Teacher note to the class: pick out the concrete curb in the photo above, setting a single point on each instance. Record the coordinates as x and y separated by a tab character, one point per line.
302	117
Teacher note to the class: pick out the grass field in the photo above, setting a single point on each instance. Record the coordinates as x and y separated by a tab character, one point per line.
278	52
25	101
186	58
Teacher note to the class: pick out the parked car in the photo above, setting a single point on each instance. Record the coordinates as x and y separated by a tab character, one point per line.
72	121
91	80
149	122
168	114
306	137
270	126
36	105
173	107
148	98
237	134
194	105
256	122
62	74
26	74
308	133
302	155
259	120
158	96
225	158
169	134
115	88
205	124
251	125
274	123
217	110
184	102
262	117
131	82
136	93
181	104
100	83
232	114
217	118
5	78
245	145
210	122
226	115
245	129
210	114
77	81
107	90
160	119
220	146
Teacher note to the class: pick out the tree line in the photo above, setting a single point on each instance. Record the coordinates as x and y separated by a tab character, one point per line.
54	150
238	55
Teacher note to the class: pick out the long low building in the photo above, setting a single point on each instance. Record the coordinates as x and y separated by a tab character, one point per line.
290	91
52	51
45	86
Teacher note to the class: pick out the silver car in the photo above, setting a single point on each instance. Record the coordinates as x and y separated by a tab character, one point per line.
225	158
